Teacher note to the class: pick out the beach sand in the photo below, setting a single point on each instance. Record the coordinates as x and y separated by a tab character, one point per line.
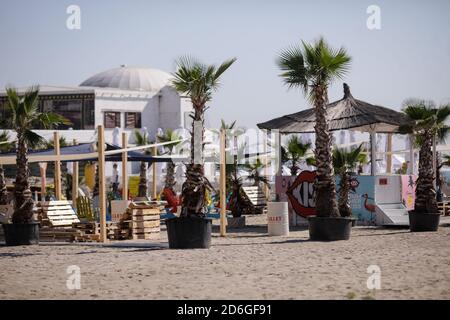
245	265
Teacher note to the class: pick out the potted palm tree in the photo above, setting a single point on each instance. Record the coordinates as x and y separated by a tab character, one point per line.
427	125
293	153
5	146
25	116
312	68
142	140
344	164
197	81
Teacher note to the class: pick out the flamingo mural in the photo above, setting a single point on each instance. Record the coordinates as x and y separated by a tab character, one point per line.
369	206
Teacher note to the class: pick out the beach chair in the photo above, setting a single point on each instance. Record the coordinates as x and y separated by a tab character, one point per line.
58	214
85	209
257	198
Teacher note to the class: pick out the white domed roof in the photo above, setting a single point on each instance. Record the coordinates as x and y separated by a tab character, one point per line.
130	78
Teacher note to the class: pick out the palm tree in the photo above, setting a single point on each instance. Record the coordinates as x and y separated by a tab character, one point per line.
25	116
254	170
427	125
170	136
50	144
5	146
344	164
293	153
313	68
142	140
197	81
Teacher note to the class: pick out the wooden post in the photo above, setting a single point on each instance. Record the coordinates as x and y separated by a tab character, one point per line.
389	155
124	167
279	164
43	171
373	153
74	180
102	187
223	185
155	178
266	166
57	176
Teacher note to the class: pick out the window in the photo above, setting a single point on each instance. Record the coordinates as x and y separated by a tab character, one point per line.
89	114
112	120
69	109
132	120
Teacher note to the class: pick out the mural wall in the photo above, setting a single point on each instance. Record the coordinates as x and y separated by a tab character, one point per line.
408	190
299	193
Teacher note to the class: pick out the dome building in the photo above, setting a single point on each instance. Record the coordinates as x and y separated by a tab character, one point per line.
122	99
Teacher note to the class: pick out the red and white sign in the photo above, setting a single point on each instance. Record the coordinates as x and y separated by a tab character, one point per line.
301	194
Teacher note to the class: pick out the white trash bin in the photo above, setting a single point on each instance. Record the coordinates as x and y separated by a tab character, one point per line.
278	218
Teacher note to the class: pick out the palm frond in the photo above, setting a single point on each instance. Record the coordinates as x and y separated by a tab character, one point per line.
50	120
292	64
34	140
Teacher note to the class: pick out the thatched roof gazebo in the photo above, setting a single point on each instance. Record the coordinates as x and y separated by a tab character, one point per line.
345	114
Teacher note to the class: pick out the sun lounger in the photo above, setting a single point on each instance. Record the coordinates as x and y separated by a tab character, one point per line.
85	209
58	213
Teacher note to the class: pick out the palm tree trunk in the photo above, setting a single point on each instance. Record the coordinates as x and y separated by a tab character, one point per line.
344	206
425	194
325	189
170	175
3	190
23	207
194	188
143	180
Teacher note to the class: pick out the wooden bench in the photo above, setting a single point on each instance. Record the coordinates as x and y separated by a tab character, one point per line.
58	213
257	198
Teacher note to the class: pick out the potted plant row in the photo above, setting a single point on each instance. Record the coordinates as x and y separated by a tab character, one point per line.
25	116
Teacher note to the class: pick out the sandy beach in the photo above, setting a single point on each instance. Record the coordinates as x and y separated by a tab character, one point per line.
245	265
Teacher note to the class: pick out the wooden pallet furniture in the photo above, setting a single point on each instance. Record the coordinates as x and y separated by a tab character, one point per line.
257	197
90	231
142	220
58	214
444	207
50	234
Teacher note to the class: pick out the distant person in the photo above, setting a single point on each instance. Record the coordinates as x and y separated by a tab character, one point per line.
115	179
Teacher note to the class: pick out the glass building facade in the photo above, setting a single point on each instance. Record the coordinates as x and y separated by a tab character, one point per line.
79	109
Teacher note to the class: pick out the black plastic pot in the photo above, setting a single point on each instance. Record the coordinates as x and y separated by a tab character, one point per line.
329	229
189	233
21	234
419	222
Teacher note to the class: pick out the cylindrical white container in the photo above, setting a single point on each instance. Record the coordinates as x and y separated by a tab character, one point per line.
277	218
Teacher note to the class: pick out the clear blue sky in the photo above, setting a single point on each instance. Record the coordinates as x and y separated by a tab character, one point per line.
408	57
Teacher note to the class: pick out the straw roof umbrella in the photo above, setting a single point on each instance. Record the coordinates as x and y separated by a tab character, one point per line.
345	114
